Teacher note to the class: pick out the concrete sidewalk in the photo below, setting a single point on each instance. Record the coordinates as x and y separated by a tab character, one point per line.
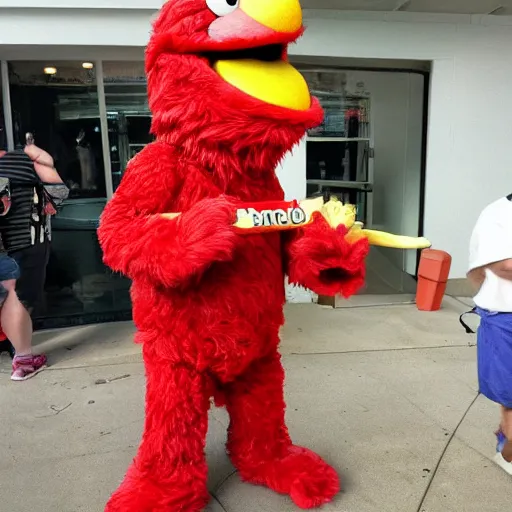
388	395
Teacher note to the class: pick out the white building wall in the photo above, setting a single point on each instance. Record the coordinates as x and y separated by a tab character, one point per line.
469	133
82	4
469	163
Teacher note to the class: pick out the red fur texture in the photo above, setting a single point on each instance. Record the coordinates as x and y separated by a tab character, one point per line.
207	302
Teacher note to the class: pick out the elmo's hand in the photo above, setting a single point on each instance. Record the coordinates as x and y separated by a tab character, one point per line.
319	258
139	241
205	234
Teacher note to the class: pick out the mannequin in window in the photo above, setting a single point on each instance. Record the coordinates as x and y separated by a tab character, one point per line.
87	162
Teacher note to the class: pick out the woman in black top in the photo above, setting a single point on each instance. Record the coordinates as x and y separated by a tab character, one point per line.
36	188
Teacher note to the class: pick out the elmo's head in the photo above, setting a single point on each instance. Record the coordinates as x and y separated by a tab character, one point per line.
218	76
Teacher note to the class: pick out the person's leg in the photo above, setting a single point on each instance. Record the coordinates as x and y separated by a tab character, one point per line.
30	286
5	344
494	354
17	325
506	429
16	322
25	291
8	270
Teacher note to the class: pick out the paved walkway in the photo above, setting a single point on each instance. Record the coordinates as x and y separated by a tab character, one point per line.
388	395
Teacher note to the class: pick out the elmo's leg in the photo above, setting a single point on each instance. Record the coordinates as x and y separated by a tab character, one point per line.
259	444
169	472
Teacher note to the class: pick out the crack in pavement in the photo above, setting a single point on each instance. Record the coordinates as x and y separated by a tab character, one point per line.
218	501
224	480
443	453
98	365
219	486
370	351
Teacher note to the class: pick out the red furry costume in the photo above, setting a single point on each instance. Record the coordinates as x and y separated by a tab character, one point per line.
207	302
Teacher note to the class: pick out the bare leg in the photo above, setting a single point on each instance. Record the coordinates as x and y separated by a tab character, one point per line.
169	472
16	322
506	428
259	444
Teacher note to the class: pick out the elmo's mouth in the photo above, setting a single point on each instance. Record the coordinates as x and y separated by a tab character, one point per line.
267	53
263	73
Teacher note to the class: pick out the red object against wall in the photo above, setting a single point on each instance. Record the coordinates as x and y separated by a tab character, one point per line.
432	278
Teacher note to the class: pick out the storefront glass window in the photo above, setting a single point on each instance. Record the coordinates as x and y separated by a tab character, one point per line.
58	103
338	151
129	118
3	133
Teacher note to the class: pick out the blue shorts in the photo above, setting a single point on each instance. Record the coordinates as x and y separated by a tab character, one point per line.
494	345
8	270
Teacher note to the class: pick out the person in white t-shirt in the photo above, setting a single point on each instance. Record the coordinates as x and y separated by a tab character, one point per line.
490	272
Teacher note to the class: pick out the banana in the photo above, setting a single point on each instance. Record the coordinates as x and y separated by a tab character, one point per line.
383	239
336	213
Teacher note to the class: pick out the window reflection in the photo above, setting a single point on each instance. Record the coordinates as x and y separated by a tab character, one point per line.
60	107
3	133
58	103
338	150
129	118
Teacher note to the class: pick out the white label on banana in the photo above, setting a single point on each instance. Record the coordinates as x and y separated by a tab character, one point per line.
251	217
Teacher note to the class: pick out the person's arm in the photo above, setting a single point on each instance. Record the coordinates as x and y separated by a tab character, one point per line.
43	165
476	277
491	245
54	187
502	269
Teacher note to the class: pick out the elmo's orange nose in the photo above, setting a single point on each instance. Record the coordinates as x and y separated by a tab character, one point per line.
283	16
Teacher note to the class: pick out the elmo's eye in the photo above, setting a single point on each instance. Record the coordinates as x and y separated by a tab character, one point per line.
222	7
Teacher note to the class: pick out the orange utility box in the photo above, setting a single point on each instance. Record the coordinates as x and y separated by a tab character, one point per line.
433	274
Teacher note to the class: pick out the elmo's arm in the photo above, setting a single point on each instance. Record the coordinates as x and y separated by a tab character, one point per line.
319	258
140	243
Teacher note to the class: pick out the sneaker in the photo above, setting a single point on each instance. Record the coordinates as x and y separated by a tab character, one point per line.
25	367
498	458
502	463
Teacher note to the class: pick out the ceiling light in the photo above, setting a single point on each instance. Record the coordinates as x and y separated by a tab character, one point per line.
87	65
50	70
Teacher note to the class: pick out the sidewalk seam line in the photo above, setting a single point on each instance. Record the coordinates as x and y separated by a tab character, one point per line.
219	502
223	481
369	351
438	465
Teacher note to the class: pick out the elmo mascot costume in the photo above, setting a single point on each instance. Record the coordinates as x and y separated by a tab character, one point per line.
208	301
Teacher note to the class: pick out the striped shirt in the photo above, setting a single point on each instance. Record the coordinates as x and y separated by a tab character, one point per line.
25	222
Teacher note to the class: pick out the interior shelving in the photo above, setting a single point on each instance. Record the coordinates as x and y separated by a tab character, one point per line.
339	152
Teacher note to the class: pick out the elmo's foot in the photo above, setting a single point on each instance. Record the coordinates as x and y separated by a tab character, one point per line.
302	474
138	493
